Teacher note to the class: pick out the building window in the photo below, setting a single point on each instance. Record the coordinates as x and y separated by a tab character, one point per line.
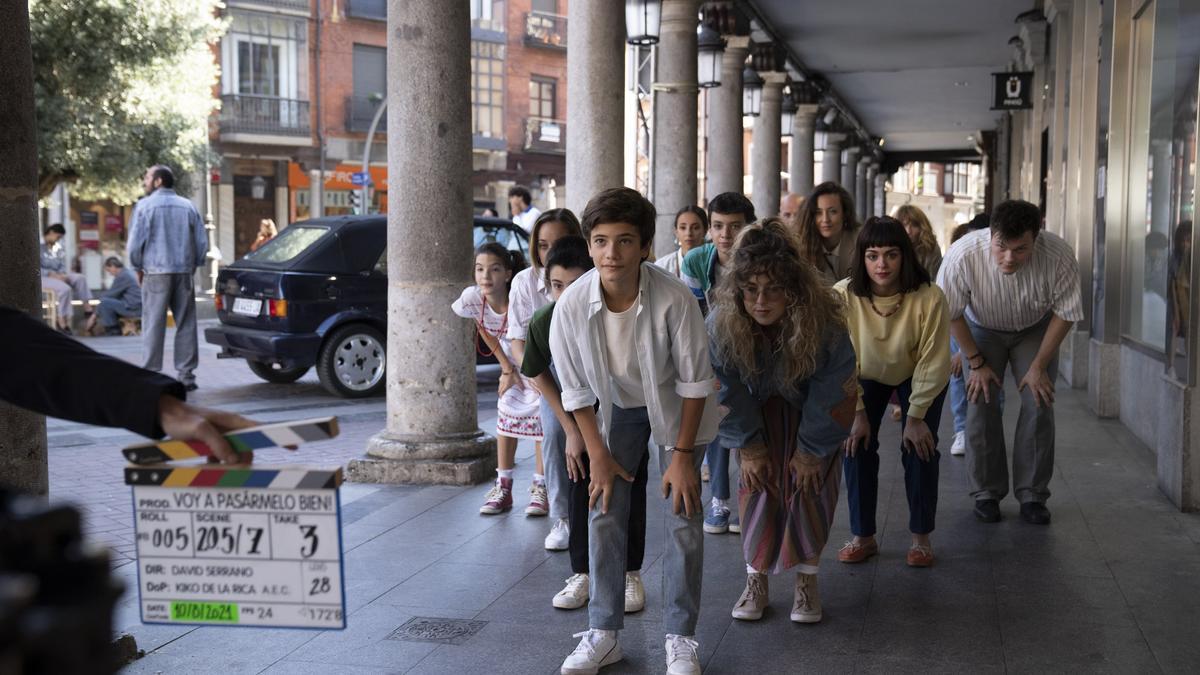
370	87
488	14
367	9
1157	274
260	56
487	89
545	6
542	96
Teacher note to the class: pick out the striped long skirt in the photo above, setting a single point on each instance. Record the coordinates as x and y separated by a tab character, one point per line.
782	528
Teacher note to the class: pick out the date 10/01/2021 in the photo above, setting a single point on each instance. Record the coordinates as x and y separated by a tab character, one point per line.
239	556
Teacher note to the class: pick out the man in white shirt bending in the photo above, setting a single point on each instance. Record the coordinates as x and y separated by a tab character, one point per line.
1013	292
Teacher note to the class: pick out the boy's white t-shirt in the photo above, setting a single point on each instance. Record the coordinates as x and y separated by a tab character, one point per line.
621	348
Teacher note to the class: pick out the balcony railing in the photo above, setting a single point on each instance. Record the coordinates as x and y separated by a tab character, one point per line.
545	30
360	110
294	5
545	135
268	115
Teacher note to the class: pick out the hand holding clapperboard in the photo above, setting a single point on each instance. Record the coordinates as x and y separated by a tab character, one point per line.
238	545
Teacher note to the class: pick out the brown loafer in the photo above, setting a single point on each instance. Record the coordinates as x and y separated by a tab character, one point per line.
856	553
920	556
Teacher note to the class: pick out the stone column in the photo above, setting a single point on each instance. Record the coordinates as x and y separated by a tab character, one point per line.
595	87
860	187
725	168
800	163
869	202
880	198
831	159
675	93
432	433
22	433
849	169
765	154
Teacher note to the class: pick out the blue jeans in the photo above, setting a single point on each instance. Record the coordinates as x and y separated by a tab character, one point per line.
683	559
554	447
920	476
723	473
958	394
110	309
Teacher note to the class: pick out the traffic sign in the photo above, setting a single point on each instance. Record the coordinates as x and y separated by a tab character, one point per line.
360	178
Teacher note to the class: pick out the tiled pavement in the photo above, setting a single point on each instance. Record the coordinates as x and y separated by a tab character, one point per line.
1113	585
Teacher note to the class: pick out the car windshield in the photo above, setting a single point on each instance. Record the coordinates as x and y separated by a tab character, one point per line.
288	244
485	234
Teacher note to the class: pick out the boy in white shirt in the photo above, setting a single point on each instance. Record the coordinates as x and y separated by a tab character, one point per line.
629	336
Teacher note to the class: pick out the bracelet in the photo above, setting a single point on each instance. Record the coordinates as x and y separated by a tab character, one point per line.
686	451
506	372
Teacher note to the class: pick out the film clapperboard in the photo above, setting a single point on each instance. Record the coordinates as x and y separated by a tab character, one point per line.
256	545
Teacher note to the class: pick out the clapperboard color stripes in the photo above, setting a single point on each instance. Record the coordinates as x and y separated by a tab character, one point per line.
243	440
290	478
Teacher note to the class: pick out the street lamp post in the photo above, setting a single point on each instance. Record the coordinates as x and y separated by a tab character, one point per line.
366	161
210	228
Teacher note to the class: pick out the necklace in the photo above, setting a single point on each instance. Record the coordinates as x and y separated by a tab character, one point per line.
871	299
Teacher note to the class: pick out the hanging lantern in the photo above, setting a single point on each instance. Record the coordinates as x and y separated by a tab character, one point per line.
787	119
643	19
258	188
752	87
710	49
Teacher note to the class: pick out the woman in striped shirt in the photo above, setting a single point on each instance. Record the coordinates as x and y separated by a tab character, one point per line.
786	366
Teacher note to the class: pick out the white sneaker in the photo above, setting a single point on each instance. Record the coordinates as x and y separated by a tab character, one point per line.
559	537
574	595
597	648
806	606
635	593
681	656
959	447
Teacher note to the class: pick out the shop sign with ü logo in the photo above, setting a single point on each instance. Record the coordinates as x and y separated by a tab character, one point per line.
1012	91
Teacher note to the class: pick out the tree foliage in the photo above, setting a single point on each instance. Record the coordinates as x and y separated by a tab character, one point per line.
121	85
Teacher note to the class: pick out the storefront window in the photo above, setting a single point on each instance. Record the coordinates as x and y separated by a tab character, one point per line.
1162	195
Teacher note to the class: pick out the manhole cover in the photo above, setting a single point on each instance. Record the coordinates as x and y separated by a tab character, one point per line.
441	631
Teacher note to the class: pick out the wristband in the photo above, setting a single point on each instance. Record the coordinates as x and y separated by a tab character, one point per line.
686	451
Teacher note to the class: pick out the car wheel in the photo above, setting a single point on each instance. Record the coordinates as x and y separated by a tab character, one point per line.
352	361
270	373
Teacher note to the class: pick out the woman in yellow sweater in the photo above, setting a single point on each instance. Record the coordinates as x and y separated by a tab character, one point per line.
900	327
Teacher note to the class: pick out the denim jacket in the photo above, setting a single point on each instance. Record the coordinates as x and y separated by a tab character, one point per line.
125	288
54	258
167	235
826	399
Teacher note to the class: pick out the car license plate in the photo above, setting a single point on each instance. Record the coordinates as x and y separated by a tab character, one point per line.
247	306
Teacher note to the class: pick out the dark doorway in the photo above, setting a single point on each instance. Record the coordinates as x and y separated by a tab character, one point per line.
249	211
1044	168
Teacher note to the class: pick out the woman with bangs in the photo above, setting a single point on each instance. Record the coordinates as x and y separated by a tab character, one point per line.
782	353
900	324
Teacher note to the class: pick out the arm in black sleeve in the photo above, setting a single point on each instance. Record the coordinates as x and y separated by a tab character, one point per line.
49	373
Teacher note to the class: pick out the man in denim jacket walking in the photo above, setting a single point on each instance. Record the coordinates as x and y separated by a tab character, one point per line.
167	242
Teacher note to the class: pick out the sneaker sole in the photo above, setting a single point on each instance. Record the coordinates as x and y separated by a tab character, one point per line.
806	618
746	617
736	529
532	511
715	529
635	609
555	547
958	454
609	659
489	511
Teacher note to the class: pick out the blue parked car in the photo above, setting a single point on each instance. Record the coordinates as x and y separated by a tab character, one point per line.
316	295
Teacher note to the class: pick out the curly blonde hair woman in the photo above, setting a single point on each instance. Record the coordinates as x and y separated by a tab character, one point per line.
782	353
920	232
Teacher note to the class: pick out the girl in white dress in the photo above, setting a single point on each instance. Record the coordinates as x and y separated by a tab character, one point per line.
486	303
